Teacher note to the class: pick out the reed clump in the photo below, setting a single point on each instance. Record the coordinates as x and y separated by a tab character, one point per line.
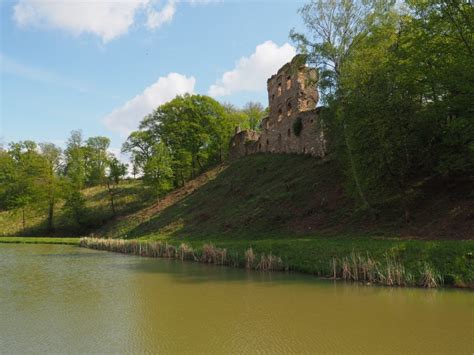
250	259
270	263
389	272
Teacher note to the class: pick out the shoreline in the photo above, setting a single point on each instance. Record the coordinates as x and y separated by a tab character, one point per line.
354	267
388	268
40	240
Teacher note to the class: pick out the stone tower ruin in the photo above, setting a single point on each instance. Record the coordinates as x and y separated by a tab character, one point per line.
292	125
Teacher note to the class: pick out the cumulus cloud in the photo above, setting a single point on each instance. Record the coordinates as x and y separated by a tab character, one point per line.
107	19
127	117
158	18
251	73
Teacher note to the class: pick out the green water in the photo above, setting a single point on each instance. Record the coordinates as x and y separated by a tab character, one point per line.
65	299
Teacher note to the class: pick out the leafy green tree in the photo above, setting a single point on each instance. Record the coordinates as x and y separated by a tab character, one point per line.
140	145
255	113
335	27
52	179
196	129
158	171
116	171
96	159
75	163
24	176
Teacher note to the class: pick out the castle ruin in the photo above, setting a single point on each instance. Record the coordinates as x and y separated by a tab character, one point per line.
292	125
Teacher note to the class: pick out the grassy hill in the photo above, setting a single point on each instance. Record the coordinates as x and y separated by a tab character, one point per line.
291	195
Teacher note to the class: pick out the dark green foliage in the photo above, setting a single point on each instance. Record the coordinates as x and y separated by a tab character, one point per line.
398	87
75	207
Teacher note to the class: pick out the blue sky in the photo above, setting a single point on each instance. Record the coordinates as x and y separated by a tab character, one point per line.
100	66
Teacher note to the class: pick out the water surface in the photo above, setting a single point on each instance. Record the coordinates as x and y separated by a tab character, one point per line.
56	298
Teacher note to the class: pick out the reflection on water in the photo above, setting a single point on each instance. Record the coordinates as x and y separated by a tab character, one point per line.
56	298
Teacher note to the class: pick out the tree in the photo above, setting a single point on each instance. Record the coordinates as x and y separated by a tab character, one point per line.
75	165
96	159
255	113
52	183
24	176
116	171
196	129
335	27
158	171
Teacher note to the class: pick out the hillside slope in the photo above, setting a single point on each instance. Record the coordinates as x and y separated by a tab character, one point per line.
289	195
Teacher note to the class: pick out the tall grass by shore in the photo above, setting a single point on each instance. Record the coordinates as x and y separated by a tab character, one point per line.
354	267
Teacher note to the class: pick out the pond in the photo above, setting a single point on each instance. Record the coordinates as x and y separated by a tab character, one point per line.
66	299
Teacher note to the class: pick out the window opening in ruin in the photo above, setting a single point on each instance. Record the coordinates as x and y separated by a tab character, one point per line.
311	121
268	142
288	83
259	146
288	109
304	149
289	132
280	114
273	97
279	89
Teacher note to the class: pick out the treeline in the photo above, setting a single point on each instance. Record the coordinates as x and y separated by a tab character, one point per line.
176	142
184	137
37	176
397	82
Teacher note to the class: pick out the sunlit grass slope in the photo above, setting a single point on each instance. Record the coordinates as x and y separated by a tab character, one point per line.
129	197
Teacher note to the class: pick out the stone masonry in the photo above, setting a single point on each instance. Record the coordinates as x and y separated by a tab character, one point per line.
293	125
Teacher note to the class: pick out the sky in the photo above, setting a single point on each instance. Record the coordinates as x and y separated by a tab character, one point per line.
101	66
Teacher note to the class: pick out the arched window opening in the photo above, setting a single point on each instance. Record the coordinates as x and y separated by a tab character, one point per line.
289	132
280	114
288	109
279	89
268	142
288	83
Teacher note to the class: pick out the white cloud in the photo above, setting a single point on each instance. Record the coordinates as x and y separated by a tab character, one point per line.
107	19
251	73
127	117
158	18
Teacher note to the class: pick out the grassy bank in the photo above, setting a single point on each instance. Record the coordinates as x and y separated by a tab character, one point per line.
39	240
297	196
377	261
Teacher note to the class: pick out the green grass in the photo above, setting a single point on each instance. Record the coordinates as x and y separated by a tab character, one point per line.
39	240
130	196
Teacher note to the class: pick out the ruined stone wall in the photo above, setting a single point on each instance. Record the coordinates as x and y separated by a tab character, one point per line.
292	99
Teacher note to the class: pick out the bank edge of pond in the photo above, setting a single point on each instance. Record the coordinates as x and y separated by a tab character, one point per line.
40	240
405	263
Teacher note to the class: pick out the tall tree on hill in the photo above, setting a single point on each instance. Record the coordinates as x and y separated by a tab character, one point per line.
335	28
96	158
52	183
115	172
75	166
196	129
